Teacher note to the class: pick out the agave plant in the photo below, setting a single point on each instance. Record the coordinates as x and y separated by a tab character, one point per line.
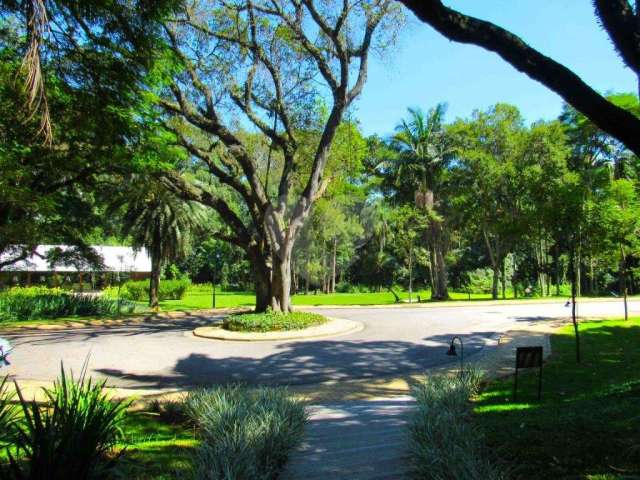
72	436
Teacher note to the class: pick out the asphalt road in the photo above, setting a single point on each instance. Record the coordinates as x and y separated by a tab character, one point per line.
166	355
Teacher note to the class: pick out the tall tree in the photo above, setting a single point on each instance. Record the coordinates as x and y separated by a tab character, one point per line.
424	152
619	19
47	190
161	222
489	150
262	60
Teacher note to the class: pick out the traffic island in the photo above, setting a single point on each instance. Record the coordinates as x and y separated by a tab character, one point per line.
331	328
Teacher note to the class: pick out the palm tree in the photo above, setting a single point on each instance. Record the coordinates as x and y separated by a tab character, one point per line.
424	152
159	221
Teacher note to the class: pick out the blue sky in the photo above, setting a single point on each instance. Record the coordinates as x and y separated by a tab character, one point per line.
426	68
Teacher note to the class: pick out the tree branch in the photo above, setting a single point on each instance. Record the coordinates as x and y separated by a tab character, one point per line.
456	26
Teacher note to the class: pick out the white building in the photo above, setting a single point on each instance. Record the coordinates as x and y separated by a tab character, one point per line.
118	261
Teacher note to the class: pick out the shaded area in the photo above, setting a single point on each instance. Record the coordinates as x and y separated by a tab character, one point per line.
587	421
304	362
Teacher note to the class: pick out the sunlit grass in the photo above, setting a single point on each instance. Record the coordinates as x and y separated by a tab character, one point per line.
587	422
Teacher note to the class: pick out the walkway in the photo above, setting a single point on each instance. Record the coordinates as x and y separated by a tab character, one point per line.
354	440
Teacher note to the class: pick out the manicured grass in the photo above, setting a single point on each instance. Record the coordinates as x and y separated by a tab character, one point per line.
588	422
272	322
156	449
198	297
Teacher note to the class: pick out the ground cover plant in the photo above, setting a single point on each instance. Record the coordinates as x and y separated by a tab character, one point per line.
73	435
444	444
587	422
244	433
28	303
272	321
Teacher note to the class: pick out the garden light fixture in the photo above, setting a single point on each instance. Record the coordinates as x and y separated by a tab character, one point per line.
452	352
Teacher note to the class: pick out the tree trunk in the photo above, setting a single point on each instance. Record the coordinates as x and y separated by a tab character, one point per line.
410	269
494	285
441	279
261	279
154	285
281	279
623	281
333	265
574	288
432	266
324	270
504	280
557	269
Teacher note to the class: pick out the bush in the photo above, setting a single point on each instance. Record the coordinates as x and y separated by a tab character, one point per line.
272	321
443	442
138	291
246	434
72	436
29	303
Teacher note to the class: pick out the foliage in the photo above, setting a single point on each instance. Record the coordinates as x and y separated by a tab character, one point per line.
586	423
50	193
138	291
28	303
72	436
245	434
272	321
444	444
8	414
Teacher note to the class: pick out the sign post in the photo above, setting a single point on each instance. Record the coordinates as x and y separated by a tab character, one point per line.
528	357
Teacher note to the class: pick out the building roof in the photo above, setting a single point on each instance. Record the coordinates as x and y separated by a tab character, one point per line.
116	259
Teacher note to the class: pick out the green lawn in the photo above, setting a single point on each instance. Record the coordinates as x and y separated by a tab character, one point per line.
588	422
154	448
199	298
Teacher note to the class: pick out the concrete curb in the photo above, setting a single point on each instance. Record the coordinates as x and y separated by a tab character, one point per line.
333	328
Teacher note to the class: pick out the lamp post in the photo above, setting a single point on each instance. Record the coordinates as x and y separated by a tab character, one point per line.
215	268
452	352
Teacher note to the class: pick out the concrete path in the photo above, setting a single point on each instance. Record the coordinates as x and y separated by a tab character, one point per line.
163	355
354	440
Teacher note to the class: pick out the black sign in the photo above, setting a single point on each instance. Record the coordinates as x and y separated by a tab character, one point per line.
528	357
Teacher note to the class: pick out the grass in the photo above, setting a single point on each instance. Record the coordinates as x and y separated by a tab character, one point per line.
587	424
155	449
272	322
200	297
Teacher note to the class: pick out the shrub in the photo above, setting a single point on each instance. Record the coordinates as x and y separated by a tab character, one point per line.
70	437
20	304
138	291
272	321
8	414
246	433
443	442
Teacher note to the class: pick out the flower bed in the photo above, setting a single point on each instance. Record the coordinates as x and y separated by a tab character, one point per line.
272	322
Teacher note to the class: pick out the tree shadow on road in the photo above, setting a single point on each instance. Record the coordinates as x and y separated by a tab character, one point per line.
307	362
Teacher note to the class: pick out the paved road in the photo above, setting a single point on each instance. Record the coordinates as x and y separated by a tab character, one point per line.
165	354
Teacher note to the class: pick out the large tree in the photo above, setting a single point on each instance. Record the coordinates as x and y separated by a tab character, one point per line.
82	73
619	19
424	153
275	64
